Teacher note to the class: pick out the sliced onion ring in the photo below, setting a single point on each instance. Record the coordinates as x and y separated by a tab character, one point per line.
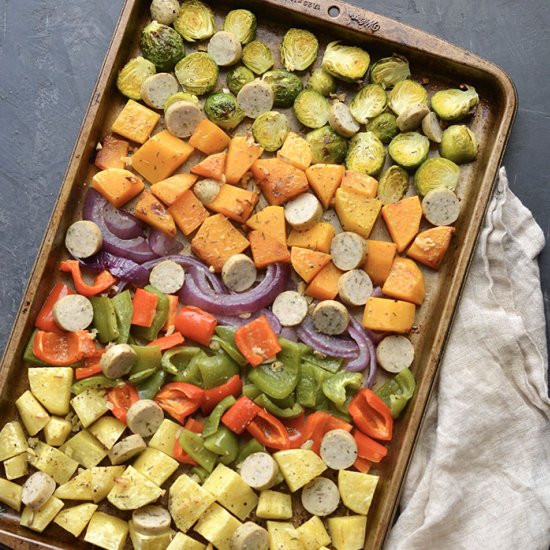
332	346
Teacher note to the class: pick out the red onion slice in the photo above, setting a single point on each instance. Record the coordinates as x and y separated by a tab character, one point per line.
367	352
333	346
162	244
121	223
121	268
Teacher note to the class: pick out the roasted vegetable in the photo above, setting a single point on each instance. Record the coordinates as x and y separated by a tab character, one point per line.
458	144
197	73
270	130
393	184
388	71
258	57
369	102
406	93
366	154
180	96
348	63
238	77
285	85
311	109
384	127
321	82
164	11
327	146
195	21
222	109
162	45
409	150
455	103
434	173
132	76
241	23
298	49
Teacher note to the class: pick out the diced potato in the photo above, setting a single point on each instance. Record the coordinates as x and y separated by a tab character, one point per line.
16	466
85	449
357	490
217	526
107	430
10	494
164	438
184	542
133	490
348	532
39	519
107	531
135	122
53	462
187	502
12	440
32	413
52	387
299	467
57	430
149	542
231	491
103	480
76	518
274	505
89	406
155	465
78	488
313	534
283	536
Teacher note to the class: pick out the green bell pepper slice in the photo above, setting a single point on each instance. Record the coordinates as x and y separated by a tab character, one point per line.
251	391
289	412
309	391
216	370
225	337
213	422
200	472
148	388
397	391
95	382
250	447
191	372
140	376
193	445
148	357
105	320
224	443
331	364
151	333
335	388
177	359
124	309
28	354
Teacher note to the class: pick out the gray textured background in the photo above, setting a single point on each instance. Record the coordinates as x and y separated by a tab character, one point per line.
51	52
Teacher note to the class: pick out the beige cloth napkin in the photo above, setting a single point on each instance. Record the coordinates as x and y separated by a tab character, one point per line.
480	475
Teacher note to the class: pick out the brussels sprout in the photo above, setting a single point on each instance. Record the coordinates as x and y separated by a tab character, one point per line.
180	96
242	23
327	147
164	11
409	150
454	104
368	102
195	21
238	77
270	130
222	109
384	127
458	144
405	93
162	45
311	109
388	71
286	86
435	173
321	82
366	154
298	49
197	73
393	184
348	63
258	57
132	76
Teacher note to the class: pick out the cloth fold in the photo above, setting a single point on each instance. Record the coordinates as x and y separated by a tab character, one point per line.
480	474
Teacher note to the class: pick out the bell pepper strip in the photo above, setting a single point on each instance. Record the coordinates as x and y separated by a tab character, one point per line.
95	383
193	445
335	388
368	448
28	354
102	281
179	399
288	412
224	443
397	391
151	332
318	424
168	342
225	337
170	322
62	350
201	473
250	447
257	341
240	415
151	385
45	320
212	423
296	428
147	357
85	372
216	370
140	376
124	310
213	396
269	431
144	307
122	398
179	454
251	391
175	360
330	364
105	321
191	373
309	391
371	415
362	465
196	324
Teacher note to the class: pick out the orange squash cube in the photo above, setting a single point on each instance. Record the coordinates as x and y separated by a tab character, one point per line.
172	188
380	255
403	220
242	153
270	220
296	151
209	138
360	183
324	179
405	282
279	180
118	186
430	246
234	202
386	315
212	166
266	249
135	122
324	285
112	153
317	237
188	212
307	263
152	212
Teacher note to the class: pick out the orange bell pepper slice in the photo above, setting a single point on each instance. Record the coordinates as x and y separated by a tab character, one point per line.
122	398
145	307
371	415
269	431
257	341
179	399
62	350
196	324
240	415
102	281
167	342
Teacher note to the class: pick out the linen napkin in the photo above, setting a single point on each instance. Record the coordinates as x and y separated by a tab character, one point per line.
480	475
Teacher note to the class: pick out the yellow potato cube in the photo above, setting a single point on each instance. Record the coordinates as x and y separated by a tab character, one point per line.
10	494
184	542
32	413
217	526
39	519
12	440
155	465
75	519
57	430
274	505
357	490
107	430
187	502
164	438
299	467
283	536
107	531
133	490
52	387
78	488
356	212
103	480
85	449
135	122
348	532
53	462
89	406
313	534
16	466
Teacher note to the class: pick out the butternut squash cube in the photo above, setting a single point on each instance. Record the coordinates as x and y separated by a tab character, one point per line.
118	186
133	490
107	531
12	440
77	488
209	138
282	535
39	519
324	285
151	211
356	212
348	532
296	151
361	184
188	212
403	220
75	519
266	250
380	255
187	502
430	246
270	220
324	179
155	465
405	282
213	166
217	526
235	203
85	449
299	467
389	315
307	263
274	505
242	153
172	188
312	534
135	122
112	153
318	237
279	180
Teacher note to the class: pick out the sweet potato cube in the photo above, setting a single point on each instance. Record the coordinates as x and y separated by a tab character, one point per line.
296	150
212	166
380	255
405	282
217	240
172	188
135	122
356	212
266	249
209	138
403	220
430	246
324	285
307	263
279	180
161	156
270	220
360	183
242	153
152	212
112	153
234	202
118	186
188	212
317	237
389	315
324	179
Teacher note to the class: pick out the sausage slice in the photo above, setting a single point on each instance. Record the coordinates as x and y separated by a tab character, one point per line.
117	361
250	536
395	353
167	276
224	48
259	470
290	308
239	273
83	239
348	250
151	519
303	212
182	117
354	287
320	497
441	207
338	449
255	98
342	121
144	417
330	317
37	490
157	88
127	448
411	117
73	312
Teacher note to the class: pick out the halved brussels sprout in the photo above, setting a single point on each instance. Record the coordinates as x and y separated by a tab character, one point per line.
393	184
132	76
368	102
348	63
298	49
388	71
162	45
458	144
366	154
238	77
286	86
180	96
311	109
384	127
454	104
321	82
258	57
195	21
242	23
409	150
435	173
197	73
405	93
327	147
270	130
222	109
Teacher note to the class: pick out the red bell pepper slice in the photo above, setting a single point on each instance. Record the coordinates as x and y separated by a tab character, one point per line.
45	320
213	396
257	341
85	372
240	415
145	307
179	399
179	454
368	448
318	424
371	415
196	324
167	342
296	428
173	302
269	431
62	350
362	465
102	281
122	398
